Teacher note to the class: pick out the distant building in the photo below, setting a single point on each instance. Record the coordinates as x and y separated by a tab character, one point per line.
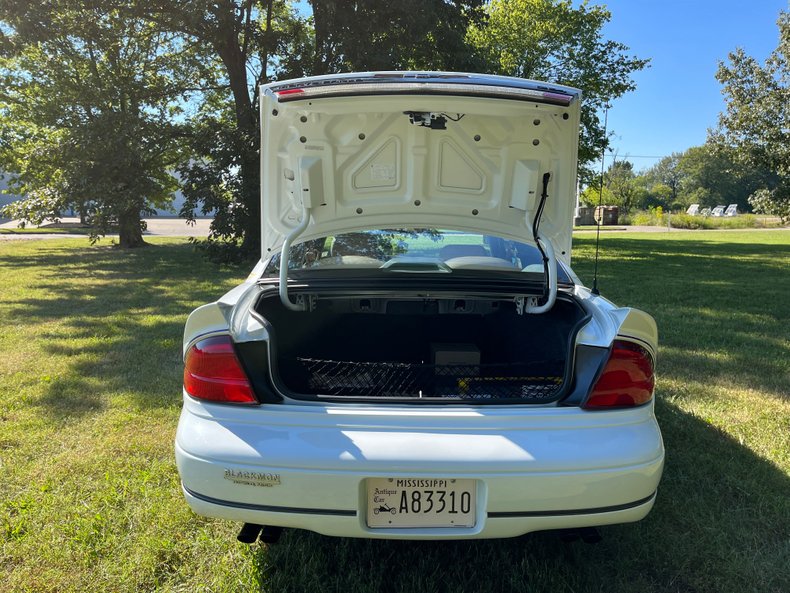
178	202
5	198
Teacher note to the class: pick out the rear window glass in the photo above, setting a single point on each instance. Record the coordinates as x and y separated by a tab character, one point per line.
448	250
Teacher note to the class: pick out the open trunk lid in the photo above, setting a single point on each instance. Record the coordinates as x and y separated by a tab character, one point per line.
405	150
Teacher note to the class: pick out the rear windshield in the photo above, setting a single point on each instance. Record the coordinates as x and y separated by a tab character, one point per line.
429	249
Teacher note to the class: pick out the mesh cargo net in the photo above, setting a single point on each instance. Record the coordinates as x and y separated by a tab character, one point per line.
533	382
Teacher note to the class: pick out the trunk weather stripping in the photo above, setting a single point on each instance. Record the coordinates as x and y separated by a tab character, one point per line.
530	304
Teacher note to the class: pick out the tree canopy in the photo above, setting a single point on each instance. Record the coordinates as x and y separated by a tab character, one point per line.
103	99
89	101
755	124
554	40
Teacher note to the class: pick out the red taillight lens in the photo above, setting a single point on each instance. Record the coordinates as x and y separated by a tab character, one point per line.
213	372
291	93
627	379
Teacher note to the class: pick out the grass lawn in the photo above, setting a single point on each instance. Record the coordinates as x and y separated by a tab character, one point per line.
90	394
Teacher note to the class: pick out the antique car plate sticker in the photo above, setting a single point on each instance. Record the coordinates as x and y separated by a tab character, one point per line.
420	502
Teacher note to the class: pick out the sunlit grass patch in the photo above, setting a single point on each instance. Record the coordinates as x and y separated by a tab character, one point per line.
90	368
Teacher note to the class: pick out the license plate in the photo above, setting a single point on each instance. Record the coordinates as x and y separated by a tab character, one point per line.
420	502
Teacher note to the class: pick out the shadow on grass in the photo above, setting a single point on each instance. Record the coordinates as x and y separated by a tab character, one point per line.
720	521
714	497
115	317
721	308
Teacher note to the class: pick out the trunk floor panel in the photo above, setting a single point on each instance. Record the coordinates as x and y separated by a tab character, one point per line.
536	381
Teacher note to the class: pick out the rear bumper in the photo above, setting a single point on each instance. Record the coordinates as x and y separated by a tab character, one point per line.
306	466
352	524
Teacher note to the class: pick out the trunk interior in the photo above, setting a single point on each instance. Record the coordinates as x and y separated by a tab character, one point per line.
450	349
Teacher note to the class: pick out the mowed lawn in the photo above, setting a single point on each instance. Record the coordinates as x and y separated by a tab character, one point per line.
90	367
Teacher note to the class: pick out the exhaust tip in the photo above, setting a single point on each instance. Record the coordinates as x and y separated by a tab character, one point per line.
249	533
271	534
268	534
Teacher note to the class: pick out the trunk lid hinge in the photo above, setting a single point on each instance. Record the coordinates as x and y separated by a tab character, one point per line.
523	303
306	302
300	304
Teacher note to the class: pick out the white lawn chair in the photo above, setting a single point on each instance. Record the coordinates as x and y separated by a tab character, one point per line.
732	210
693	210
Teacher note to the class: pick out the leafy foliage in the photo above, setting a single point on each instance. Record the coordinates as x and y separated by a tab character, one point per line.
256	42
771	202
756	120
88	101
666	173
622	183
404	35
97	111
240	40
709	175
554	40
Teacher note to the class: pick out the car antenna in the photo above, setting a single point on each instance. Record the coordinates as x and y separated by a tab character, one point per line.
595	290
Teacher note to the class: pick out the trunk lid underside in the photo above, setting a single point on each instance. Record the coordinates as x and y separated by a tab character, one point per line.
428	153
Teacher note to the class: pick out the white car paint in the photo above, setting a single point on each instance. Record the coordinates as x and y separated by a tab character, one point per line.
536	466
357	162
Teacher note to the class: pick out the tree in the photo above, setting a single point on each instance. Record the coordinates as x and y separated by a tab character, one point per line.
666	172
87	99
554	41
620	180
239	40
403	35
657	194
593	194
711	176
755	124
259	41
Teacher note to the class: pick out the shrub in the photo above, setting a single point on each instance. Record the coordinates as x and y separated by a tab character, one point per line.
686	221
657	217
744	221
651	217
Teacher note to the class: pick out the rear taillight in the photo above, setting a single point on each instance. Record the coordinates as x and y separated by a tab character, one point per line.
212	371
627	379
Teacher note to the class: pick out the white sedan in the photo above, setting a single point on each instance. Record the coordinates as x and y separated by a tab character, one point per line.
413	357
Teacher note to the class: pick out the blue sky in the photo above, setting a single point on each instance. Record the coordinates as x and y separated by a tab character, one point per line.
678	98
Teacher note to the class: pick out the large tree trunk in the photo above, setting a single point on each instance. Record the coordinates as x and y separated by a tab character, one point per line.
323	21
130	231
250	171
235	62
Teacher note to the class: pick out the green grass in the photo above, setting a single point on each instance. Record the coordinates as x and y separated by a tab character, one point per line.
90	395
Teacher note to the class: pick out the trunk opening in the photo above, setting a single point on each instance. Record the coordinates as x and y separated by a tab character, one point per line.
421	349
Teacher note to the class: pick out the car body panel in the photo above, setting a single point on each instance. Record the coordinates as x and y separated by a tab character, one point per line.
347	525
530	462
357	162
346	155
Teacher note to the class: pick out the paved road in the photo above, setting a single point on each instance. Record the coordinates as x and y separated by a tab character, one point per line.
157	227
177	227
